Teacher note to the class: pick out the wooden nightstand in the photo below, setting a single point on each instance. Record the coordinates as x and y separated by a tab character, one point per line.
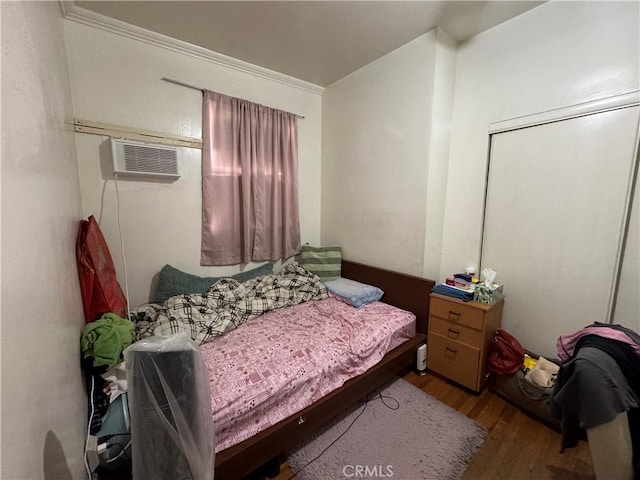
459	337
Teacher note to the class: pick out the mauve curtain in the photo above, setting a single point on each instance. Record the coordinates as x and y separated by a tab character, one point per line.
249	182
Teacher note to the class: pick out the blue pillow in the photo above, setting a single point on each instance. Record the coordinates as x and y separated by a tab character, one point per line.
354	293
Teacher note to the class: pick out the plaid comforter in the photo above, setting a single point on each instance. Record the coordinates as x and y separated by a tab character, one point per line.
229	303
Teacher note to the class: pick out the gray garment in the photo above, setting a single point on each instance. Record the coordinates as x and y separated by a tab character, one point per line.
592	389
630	333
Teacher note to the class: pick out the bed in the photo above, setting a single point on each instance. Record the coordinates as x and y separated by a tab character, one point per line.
282	355
397	354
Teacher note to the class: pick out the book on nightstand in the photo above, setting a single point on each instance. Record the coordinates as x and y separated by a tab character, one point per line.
464	294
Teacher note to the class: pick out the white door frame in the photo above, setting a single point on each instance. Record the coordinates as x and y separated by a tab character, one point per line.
615	102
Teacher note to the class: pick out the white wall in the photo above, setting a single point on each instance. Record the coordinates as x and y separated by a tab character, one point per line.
439	141
559	54
116	80
43	401
375	155
555	55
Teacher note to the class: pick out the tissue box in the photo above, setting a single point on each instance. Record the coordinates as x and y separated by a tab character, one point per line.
487	295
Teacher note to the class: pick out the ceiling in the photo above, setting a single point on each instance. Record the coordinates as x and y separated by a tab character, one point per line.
315	41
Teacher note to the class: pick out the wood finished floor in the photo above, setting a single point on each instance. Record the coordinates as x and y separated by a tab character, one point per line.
518	446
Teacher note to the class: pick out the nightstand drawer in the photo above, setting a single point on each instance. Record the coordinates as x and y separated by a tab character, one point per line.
456	332
457	313
454	360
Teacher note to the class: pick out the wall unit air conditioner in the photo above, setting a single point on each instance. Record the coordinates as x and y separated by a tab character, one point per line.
144	159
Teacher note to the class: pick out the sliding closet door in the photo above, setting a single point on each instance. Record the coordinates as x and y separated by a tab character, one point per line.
557	196
627	305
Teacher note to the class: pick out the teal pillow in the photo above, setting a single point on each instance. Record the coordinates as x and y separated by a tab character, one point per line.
174	282
266	269
325	262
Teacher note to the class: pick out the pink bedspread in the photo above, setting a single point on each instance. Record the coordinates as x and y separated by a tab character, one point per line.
276	365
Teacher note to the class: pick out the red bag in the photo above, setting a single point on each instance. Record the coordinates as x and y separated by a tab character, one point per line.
506	355
101	292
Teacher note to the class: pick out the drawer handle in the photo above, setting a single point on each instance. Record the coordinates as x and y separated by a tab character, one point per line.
453	333
454	315
450	352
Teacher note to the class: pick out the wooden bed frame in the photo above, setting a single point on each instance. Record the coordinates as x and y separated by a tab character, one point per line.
404	291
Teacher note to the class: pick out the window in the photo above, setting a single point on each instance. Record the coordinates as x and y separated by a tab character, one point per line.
249	182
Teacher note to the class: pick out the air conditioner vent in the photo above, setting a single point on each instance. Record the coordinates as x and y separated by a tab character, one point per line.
136	158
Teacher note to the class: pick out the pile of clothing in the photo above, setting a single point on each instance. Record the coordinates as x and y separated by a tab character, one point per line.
540	372
102	344
599	379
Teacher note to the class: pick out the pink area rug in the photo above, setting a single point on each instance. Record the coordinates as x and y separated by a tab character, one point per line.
401	434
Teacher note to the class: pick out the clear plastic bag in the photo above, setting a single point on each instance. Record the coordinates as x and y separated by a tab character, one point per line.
172	435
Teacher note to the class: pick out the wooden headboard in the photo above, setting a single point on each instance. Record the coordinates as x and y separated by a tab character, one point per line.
404	291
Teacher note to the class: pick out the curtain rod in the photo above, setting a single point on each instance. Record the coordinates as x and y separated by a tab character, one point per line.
182	84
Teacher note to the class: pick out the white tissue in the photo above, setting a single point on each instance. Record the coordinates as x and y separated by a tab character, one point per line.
489	275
